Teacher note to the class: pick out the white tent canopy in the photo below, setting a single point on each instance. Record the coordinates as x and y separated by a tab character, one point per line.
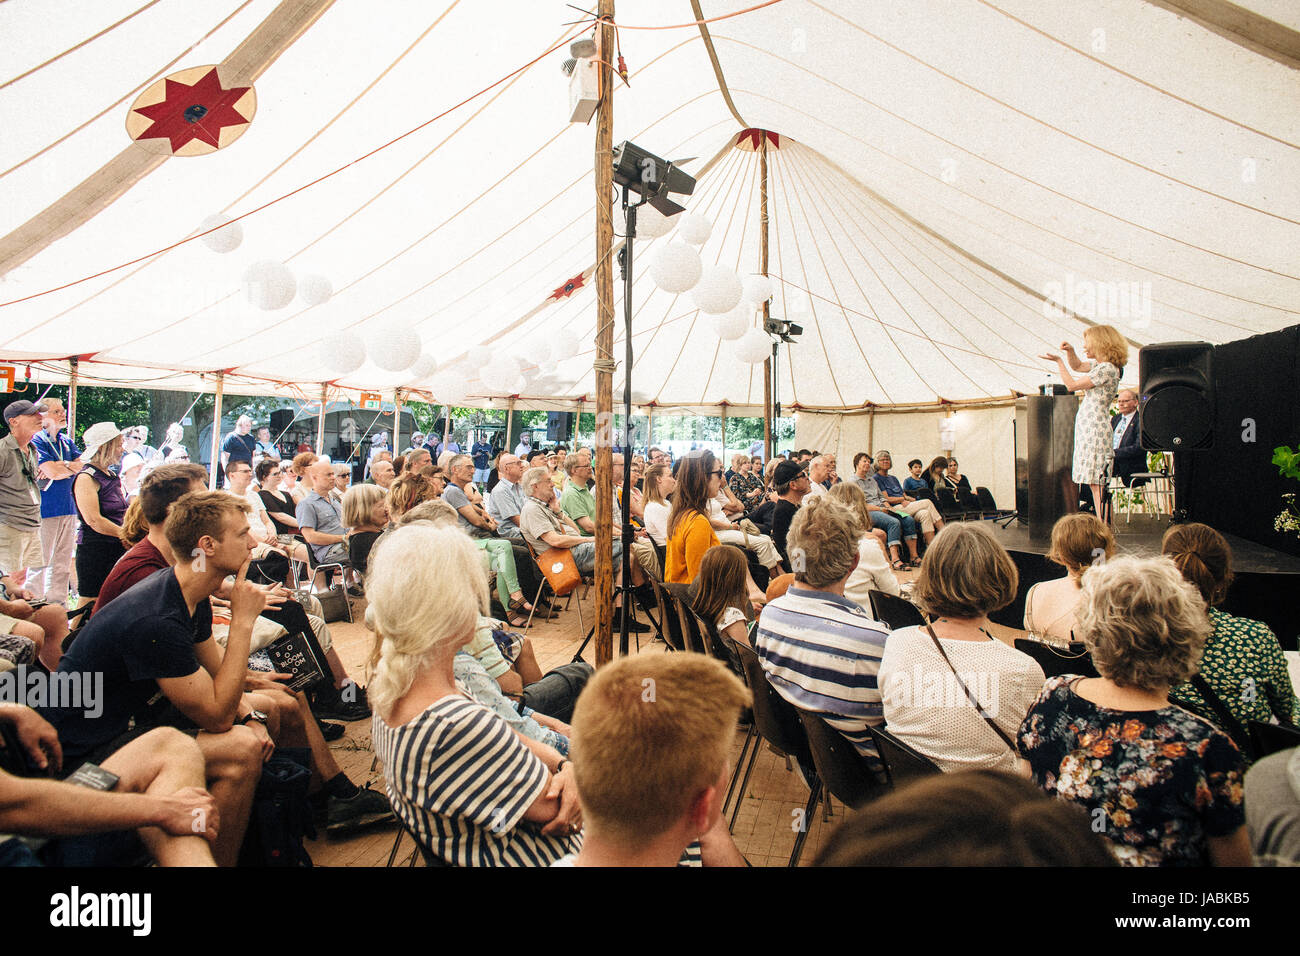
947	173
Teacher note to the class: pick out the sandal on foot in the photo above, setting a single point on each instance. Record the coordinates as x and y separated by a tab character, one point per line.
899	565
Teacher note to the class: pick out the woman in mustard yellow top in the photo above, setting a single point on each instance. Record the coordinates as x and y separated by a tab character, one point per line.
689	533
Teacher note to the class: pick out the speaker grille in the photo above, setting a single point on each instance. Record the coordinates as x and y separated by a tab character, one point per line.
1176	418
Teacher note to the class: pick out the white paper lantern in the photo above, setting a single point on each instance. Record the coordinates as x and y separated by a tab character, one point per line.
718	290
343	353
223	240
758	289
479	356
732	325
676	268
315	289
651	223
501	376
448	388
424	366
270	285
754	346
694	228
395	348
536	350
564	345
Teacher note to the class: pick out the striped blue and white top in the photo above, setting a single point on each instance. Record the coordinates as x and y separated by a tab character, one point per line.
822	653
460	779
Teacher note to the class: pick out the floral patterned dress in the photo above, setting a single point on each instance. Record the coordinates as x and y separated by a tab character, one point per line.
1157	783
1243	664
1094	447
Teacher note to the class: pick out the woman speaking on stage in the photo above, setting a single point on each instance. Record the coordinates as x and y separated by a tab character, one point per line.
1093	445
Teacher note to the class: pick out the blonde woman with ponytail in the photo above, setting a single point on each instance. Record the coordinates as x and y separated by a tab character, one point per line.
1079	541
426	589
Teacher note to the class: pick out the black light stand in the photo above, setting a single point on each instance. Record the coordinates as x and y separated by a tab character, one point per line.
785	331
625	264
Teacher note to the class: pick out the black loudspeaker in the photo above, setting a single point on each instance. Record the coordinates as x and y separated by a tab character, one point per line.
1176	382
559	426
281	419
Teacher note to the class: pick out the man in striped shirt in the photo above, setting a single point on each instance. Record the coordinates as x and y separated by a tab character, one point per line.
820	650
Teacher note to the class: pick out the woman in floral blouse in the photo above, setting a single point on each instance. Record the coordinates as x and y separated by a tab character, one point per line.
1162	784
746	485
1243	662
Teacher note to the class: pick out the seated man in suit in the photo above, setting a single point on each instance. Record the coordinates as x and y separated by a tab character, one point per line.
1129	454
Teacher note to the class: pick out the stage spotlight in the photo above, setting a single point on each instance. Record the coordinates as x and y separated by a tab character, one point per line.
654	178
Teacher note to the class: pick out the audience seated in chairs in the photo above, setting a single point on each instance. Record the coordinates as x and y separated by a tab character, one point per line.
976	818
1078	541
301	486
923	510
1242	662
822	652
265	531
476	523
365	514
720	593
652	736
145	642
544	528
427	592
158	804
149	552
659	485
897	527
873	572
1167	784
690	532
930	674
44	628
321	522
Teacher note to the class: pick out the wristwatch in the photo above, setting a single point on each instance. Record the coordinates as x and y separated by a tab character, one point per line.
253	715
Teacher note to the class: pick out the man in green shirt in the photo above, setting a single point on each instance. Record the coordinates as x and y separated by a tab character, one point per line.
577	501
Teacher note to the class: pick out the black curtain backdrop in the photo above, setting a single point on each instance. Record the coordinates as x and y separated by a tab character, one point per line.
1234	486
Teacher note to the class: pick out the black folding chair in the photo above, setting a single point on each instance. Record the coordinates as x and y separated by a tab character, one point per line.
902	763
988	507
670	623
895	611
843	771
1056	661
777	722
420	851
1270	738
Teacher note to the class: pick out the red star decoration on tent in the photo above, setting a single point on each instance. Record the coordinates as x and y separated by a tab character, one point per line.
570	287
753	135
197	112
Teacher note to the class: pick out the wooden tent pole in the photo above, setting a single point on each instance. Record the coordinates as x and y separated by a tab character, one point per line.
396	446
723	409
74	369
510	420
214	445
769	423
320	425
604	364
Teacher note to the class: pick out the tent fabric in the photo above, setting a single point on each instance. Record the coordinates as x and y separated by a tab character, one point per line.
983	442
960	186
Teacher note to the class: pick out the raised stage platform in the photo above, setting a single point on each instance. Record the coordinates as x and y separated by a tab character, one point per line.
1266	588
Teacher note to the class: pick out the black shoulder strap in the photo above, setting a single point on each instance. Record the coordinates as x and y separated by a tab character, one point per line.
1228	721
